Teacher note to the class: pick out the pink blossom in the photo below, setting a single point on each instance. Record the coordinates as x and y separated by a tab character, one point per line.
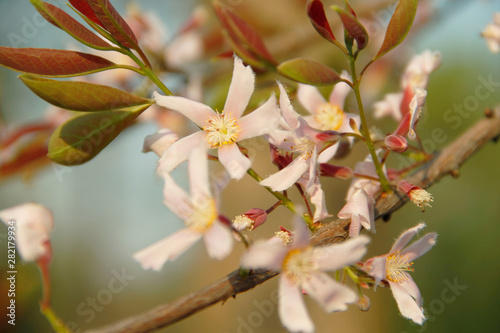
393	268
302	267
199	213
492	34
221	130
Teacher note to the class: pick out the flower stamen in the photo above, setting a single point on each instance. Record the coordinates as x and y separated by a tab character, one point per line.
203	215
222	129
396	266
299	264
329	117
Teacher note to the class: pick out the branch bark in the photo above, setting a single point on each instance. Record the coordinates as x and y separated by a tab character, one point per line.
448	161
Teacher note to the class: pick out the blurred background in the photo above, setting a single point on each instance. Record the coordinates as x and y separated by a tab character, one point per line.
111	207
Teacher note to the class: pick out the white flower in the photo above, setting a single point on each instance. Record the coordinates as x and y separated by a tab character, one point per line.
199	213
302	267
159	141
492	34
31	224
221	130
394	267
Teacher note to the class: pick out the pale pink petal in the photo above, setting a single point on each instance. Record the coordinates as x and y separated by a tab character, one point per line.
287	176
175	198
416	105
420	247
159	141
411	288
389	106
197	112
292	308
263	120
317	197
154	256
337	256
233	160
240	90
378	270
406	304
198	173
179	151
300	234
328	153
289	114
406	237
359	205
331	295
32	225
265	254
355	226
310	97
340	92
218	240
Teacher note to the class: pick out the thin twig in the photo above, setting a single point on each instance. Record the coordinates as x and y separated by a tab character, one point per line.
448	161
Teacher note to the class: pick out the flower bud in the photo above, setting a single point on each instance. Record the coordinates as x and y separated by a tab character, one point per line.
418	196
250	220
329	170
328	136
364	303
396	143
278	159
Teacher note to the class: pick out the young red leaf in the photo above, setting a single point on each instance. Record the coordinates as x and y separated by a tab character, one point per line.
83	7
81	96
399	25
83	137
308	72
242	33
114	23
353	27
350	9
65	22
50	62
317	15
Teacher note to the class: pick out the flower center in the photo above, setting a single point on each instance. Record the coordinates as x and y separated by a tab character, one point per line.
299	264
304	147
243	222
329	117
222	129
203	215
396	266
421	198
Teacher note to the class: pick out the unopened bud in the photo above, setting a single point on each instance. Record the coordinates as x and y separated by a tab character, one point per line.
250	220
278	159
396	143
419	196
328	136
364	303
159	141
329	170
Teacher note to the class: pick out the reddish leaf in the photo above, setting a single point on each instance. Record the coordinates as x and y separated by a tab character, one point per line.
81	96
399	25
353	27
309	72
114	23
316	13
83	137
50	62
83	7
350	9
65	22
242	33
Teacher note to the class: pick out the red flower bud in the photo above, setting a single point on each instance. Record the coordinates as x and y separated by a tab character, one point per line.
341	172
396	143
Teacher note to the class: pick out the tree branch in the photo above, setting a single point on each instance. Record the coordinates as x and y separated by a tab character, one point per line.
448	161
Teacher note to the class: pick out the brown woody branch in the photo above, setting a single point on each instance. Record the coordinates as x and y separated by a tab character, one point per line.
448	161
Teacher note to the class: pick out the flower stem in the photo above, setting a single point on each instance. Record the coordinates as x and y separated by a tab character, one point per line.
54	320
364	128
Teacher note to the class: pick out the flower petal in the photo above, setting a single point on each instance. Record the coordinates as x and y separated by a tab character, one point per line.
263	120
301	234
240	90
287	176
328	153
197	112
331	295
292	308
337	256
154	256
233	160
420	247
219	241
317	197
175	198
265	254
378	270
406	304
159	141
198	173
340	92
411	288
179	152
310	97
406	237
289	114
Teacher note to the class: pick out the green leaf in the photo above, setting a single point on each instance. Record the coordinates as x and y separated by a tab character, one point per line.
399	25
353	27
60	19
81	96
83	137
52	63
308	72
